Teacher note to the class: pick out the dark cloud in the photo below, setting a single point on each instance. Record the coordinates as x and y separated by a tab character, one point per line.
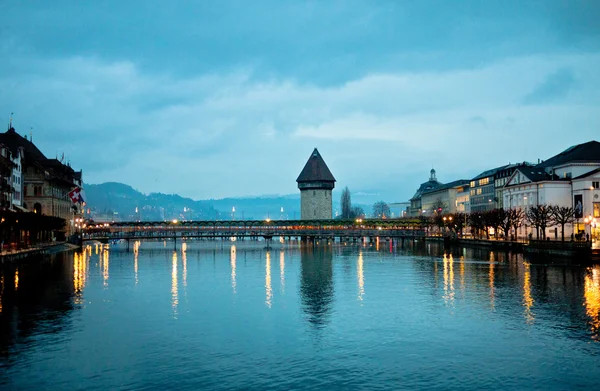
556	86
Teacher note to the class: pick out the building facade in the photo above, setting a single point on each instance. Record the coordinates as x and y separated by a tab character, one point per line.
316	183
416	202
444	197
571	179
44	183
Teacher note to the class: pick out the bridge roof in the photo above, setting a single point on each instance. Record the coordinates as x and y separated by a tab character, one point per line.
315	170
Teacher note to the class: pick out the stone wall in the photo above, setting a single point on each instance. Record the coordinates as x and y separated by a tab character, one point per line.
315	204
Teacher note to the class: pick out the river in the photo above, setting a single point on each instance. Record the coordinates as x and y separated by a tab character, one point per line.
234	315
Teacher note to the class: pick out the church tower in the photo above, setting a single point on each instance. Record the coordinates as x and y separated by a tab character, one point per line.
315	183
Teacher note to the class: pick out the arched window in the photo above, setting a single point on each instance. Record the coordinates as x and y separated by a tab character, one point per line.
37	208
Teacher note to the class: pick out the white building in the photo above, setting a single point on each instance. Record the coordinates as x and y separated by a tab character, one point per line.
447	197
570	178
17	178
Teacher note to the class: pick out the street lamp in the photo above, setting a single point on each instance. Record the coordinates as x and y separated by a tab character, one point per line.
233	213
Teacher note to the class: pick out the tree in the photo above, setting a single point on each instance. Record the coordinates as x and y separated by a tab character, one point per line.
476	222
346	203
518	216
357	212
505	217
539	216
439	207
459	220
562	215
381	210
425	222
492	219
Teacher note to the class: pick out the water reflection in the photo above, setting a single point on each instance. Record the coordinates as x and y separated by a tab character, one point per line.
360	276
491	277
268	289
232	262
282	270
184	264
316	284
105	262
448	262
80	262
136	253
527	298
174	288
592	299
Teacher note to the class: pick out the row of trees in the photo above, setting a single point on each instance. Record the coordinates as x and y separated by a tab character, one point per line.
381	210
503	220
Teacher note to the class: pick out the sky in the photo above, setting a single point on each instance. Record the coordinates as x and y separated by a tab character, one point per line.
213	99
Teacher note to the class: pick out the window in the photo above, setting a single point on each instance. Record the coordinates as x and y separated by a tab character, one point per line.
472	184
596	209
479	191
472	192
596	185
484	181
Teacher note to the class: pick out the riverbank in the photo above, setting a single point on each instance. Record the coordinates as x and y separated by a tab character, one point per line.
21	255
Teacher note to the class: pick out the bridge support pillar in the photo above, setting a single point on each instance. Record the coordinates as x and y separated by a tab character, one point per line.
127	245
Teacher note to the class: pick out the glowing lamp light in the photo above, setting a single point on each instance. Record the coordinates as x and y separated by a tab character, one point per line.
174	221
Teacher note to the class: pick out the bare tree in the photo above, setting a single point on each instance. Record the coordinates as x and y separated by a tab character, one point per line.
346	203
439	207
562	215
381	210
477	223
492	219
518	216
357	212
540	217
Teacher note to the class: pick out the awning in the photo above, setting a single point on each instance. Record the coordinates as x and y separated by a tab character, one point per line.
20	208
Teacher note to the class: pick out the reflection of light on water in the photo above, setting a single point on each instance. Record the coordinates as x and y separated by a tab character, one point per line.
232	260
174	293
268	290
282	270
491	275
79	275
377	244
462	275
17	278
360	276
592	299
184	261
527	299
1	290
105	262
448	279
136	249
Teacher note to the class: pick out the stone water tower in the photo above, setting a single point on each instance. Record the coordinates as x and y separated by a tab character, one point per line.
315	183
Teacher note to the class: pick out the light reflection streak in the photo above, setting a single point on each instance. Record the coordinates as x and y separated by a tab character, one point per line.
282	270
448	279
184	261
105	263
527	299
174	289
491	276
592	299
233	262
462	276
136	249
360	276
79	275
17	278
1	290
268	290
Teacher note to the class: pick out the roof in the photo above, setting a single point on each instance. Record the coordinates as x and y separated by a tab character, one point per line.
315	170
460	182
537	174
491	172
580	153
587	174
13	141
425	187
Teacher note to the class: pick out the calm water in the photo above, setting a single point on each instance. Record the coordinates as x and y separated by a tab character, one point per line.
232	315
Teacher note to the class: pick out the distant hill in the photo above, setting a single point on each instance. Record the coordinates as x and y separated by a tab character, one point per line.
118	201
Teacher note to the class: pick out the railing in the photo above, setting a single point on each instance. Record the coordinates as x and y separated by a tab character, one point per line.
559	245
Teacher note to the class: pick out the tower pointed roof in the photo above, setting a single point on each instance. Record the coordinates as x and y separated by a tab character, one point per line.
315	170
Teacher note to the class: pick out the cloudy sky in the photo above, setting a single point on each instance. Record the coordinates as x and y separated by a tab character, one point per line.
210	99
